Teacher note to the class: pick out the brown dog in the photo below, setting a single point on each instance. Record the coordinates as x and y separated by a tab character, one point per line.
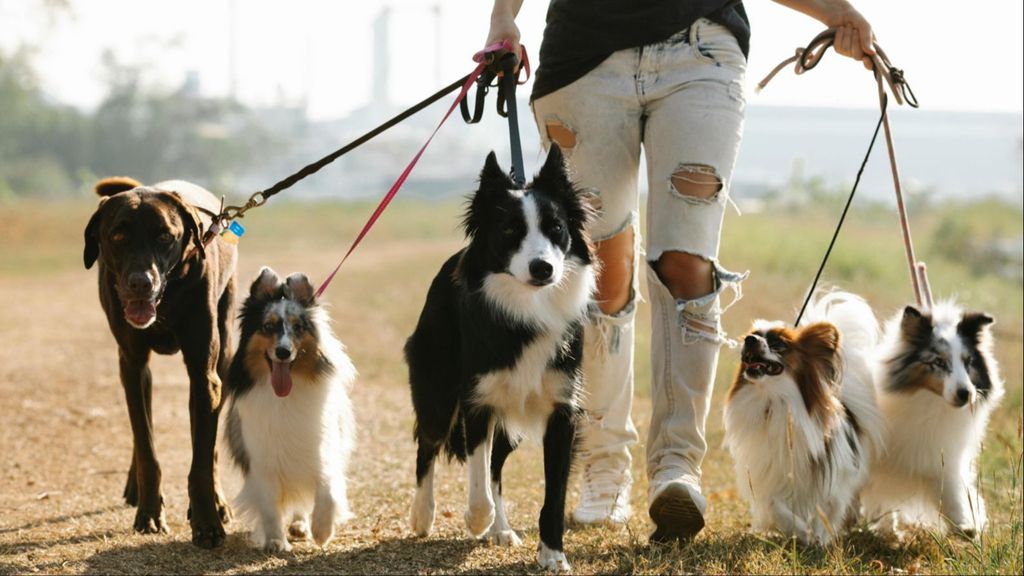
163	292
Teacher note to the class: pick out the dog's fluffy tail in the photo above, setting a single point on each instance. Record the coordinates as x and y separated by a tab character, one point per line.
116	185
851	314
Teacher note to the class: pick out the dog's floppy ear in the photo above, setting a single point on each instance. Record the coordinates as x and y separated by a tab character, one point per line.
193	225
92	236
298	287
115	185
266	284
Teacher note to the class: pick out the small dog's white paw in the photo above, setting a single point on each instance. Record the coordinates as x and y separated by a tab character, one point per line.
323	531
504	537
552	560
479	519
299	531
276	545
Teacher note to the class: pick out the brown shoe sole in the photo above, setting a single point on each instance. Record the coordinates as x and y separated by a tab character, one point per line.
675	516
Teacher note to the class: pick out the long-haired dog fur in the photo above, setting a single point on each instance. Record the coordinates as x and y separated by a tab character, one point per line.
938	382
497	351
801	419
290	427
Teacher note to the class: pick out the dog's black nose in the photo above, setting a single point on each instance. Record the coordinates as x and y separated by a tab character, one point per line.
140	283
541	270
282	353
962	395
750	341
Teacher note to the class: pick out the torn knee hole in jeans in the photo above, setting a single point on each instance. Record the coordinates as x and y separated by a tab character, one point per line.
699	317
560	134
698	183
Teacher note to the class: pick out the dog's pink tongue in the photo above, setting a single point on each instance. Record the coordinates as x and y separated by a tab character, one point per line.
140	312
281	378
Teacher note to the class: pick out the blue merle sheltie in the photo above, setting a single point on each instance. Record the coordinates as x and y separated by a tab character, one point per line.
496	355
938	384
289	427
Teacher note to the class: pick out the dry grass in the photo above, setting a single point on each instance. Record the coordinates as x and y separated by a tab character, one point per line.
66	442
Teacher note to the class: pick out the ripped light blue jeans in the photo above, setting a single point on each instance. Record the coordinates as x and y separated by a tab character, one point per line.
680	101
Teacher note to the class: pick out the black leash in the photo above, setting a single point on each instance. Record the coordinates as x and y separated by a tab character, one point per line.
507	108
260	198
842	217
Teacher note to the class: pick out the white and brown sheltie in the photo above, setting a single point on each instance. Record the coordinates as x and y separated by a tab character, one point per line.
801	420
497	352
290	427
938	382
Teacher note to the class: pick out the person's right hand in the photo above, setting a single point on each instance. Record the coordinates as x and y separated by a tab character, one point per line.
503	27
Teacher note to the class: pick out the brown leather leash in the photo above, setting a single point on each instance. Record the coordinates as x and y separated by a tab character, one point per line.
885	74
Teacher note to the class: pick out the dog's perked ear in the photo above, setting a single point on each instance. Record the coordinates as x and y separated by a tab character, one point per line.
266	285
553	175
820	339
494	183
916	327
297	287
190	219
92	236
971	325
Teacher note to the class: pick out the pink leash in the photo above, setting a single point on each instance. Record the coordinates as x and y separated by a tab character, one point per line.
483	60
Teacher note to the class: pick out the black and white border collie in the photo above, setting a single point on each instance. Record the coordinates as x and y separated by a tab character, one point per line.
937	386
496	354
289	427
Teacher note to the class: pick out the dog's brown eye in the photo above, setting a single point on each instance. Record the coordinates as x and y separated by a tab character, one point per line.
509	231
118	237
940	364
297	328
268	326
165	238
557	229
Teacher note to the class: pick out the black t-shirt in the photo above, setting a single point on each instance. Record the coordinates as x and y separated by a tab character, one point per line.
580	34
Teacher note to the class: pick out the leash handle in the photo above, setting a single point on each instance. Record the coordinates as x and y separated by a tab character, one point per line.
466	85
885	73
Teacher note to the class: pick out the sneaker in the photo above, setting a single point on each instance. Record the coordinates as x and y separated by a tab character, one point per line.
604	496
677	511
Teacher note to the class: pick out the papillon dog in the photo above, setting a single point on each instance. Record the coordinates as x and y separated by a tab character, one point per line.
801	419
938	383
496	355
290	427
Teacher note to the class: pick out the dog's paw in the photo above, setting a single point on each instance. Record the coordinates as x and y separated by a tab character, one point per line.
504	537
277	545
223	510
208	536
323	530
966	531
479	519
552	560
299	531
421	518
150	521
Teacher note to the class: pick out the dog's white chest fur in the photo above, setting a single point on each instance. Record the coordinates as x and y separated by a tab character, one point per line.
295	440
526	394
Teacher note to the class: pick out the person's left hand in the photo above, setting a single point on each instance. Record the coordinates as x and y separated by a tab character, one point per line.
854	37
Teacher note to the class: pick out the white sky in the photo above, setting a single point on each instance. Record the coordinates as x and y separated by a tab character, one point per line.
955	57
